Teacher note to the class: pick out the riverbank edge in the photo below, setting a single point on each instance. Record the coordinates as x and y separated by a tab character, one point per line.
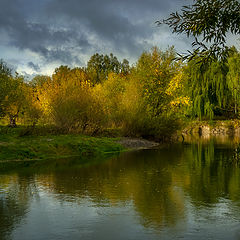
24	150
212	128
14	147
17	152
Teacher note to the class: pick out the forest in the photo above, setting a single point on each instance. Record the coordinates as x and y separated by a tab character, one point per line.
152	98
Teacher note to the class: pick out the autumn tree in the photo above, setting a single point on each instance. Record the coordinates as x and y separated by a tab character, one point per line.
112	91
5	75
125	68
99	66
14	99
11	94
153	95
39	81
160	76
69	101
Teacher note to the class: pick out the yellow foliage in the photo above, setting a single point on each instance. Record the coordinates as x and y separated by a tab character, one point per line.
175	84
181	101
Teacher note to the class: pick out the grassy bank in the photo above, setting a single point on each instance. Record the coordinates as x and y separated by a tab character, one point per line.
18	150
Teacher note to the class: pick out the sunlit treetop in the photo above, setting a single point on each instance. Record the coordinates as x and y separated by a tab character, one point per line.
209	22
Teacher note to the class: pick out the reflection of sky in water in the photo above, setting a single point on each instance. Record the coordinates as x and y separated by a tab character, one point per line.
50	218
186	192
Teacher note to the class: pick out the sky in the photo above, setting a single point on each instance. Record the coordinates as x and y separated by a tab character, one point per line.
36	36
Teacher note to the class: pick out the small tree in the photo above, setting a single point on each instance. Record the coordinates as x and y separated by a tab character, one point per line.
5	76
11	94
14	99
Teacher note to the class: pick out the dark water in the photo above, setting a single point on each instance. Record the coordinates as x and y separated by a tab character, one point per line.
189	191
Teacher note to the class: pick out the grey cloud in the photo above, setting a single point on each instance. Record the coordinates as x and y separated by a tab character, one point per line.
28	76
63	31
106	21
123	24
38	37
35	67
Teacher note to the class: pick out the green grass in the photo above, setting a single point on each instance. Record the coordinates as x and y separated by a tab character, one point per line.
14	148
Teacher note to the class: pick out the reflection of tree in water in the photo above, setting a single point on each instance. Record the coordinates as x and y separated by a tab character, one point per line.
155	183
15	195
212	173
155	197
143	178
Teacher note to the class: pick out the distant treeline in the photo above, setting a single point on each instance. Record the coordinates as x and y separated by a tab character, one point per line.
152	98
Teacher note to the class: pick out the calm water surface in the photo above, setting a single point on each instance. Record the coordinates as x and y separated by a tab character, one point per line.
185	191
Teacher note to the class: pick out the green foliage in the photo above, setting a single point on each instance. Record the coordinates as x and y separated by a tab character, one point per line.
107	94
112	92
148	103
11	94
72	104
213	87
99	66
14	148
155	70
31	111
5	75
39	80
210	20
151	99
233	79
14	100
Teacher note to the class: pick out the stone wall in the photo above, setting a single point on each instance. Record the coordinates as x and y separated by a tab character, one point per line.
202	128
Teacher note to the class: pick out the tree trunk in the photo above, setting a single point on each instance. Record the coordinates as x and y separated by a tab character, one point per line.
235	103
12	122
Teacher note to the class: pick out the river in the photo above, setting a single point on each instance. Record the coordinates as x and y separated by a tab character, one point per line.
183	191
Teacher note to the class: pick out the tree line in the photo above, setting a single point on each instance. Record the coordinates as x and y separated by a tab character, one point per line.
151	98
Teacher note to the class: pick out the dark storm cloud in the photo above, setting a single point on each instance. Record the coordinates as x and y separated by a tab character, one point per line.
50	42
121	23
60	30
41	39
33	66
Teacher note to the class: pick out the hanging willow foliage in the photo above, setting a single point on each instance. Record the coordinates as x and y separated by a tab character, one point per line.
233	79
208	88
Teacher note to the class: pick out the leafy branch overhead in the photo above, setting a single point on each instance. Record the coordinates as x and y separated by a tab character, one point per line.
209	22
